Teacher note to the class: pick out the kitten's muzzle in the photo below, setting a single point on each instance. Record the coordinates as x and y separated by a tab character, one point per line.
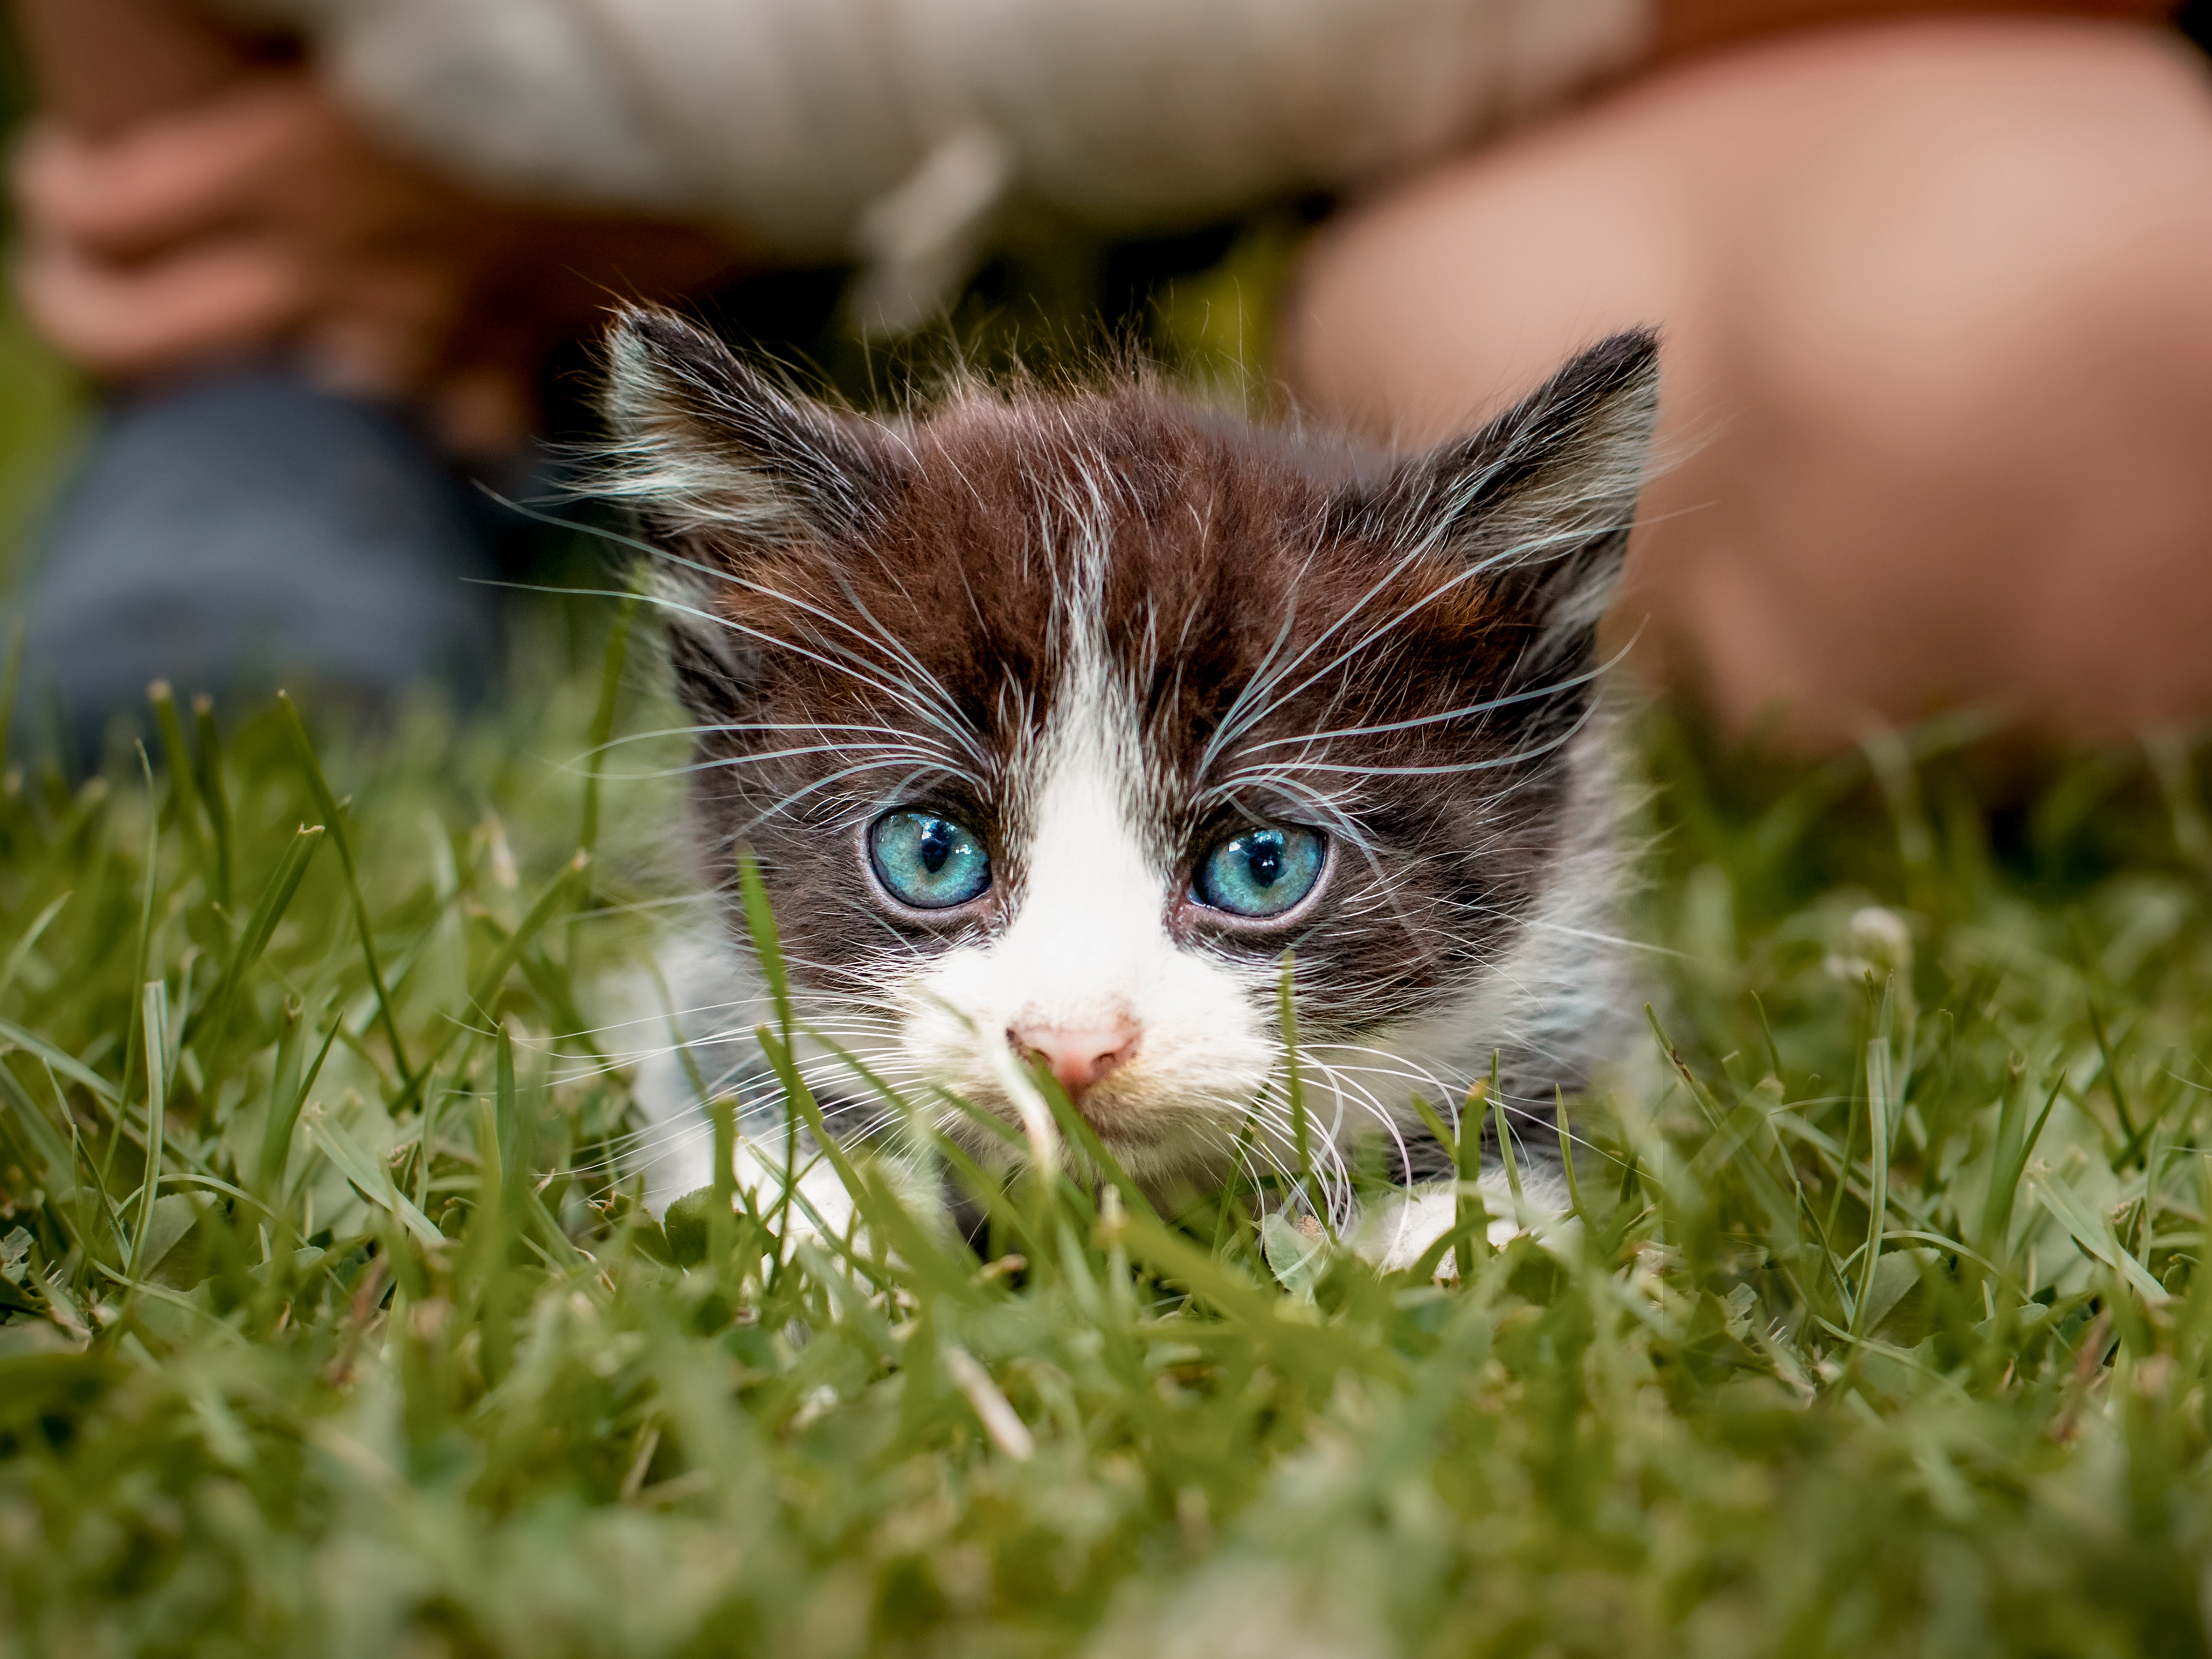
1078	1058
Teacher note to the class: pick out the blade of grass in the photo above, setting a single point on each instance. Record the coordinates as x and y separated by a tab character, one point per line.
800	1097
760	925
2012	1111
927	1264
1077	1130
97	1204
1470	1231
288	1094
2133	1144
213	794
1459	1244
369	1176
1567	1166
1881	1114
517	1130
768	951
2005	1179
155	1019
268	911
1505	1136
45	1144
1260	1314
2094	1233
972	1177
491	1228
132	1049
485	988
23	947
184	786
1766	1035
68	1064
319	787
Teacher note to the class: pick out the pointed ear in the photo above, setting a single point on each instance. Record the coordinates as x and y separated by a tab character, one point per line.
705	443
724	463
1541	499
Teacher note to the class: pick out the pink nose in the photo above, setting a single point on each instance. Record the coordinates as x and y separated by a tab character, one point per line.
1078	1059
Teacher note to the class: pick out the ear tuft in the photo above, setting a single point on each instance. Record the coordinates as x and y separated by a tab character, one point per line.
1542	498
704	442
728	464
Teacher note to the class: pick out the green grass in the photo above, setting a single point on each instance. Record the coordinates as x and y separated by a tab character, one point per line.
328	1332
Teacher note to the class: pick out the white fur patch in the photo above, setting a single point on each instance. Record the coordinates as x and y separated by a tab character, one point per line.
1395	1234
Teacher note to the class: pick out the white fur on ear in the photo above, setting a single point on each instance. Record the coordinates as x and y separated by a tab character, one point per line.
722	463
703	441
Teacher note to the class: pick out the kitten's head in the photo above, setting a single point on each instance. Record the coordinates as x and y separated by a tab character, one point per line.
1056	721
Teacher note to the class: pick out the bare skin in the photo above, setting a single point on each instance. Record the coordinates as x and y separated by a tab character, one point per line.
1939	383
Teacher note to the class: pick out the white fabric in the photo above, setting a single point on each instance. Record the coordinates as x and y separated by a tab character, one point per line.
790	118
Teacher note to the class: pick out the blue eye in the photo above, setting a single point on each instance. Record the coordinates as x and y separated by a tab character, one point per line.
926	861
1261	872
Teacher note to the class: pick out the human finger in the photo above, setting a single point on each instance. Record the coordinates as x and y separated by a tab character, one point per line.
128	322
171	177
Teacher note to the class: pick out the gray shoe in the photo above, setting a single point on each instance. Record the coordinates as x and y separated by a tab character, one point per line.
248	530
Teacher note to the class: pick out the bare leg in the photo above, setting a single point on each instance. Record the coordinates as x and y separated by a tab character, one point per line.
1938	304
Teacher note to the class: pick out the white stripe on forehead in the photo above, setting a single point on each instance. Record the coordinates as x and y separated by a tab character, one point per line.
1087	877
1087	946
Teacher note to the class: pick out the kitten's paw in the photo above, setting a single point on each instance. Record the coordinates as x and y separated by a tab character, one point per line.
820	1210
1396	1235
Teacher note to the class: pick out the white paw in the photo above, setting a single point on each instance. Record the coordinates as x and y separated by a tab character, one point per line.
1394	1235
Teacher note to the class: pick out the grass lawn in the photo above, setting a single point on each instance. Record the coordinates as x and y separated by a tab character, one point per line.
329	1329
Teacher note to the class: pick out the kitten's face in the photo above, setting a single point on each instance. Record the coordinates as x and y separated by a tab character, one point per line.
1057	724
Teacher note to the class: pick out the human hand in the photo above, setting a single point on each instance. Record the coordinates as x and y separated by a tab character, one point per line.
263	217
257	216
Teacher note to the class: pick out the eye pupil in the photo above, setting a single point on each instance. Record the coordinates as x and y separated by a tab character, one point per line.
1266	858
936	845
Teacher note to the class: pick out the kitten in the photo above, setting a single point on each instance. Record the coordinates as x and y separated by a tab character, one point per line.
1056	719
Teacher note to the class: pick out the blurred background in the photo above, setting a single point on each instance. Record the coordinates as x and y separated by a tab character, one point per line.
306	297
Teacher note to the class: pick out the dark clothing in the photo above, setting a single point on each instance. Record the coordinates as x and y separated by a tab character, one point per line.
246	527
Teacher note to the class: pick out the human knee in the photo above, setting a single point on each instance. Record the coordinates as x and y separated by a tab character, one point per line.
1950	292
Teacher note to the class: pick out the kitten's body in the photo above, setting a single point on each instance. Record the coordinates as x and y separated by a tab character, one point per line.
1146	668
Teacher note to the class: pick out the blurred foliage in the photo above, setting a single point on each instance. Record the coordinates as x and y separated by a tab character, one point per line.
1055	299
43	405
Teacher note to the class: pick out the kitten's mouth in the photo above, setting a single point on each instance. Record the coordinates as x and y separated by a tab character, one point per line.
1118	1125
1122	1125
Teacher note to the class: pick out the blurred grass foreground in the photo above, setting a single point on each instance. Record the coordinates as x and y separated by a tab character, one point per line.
330	1327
